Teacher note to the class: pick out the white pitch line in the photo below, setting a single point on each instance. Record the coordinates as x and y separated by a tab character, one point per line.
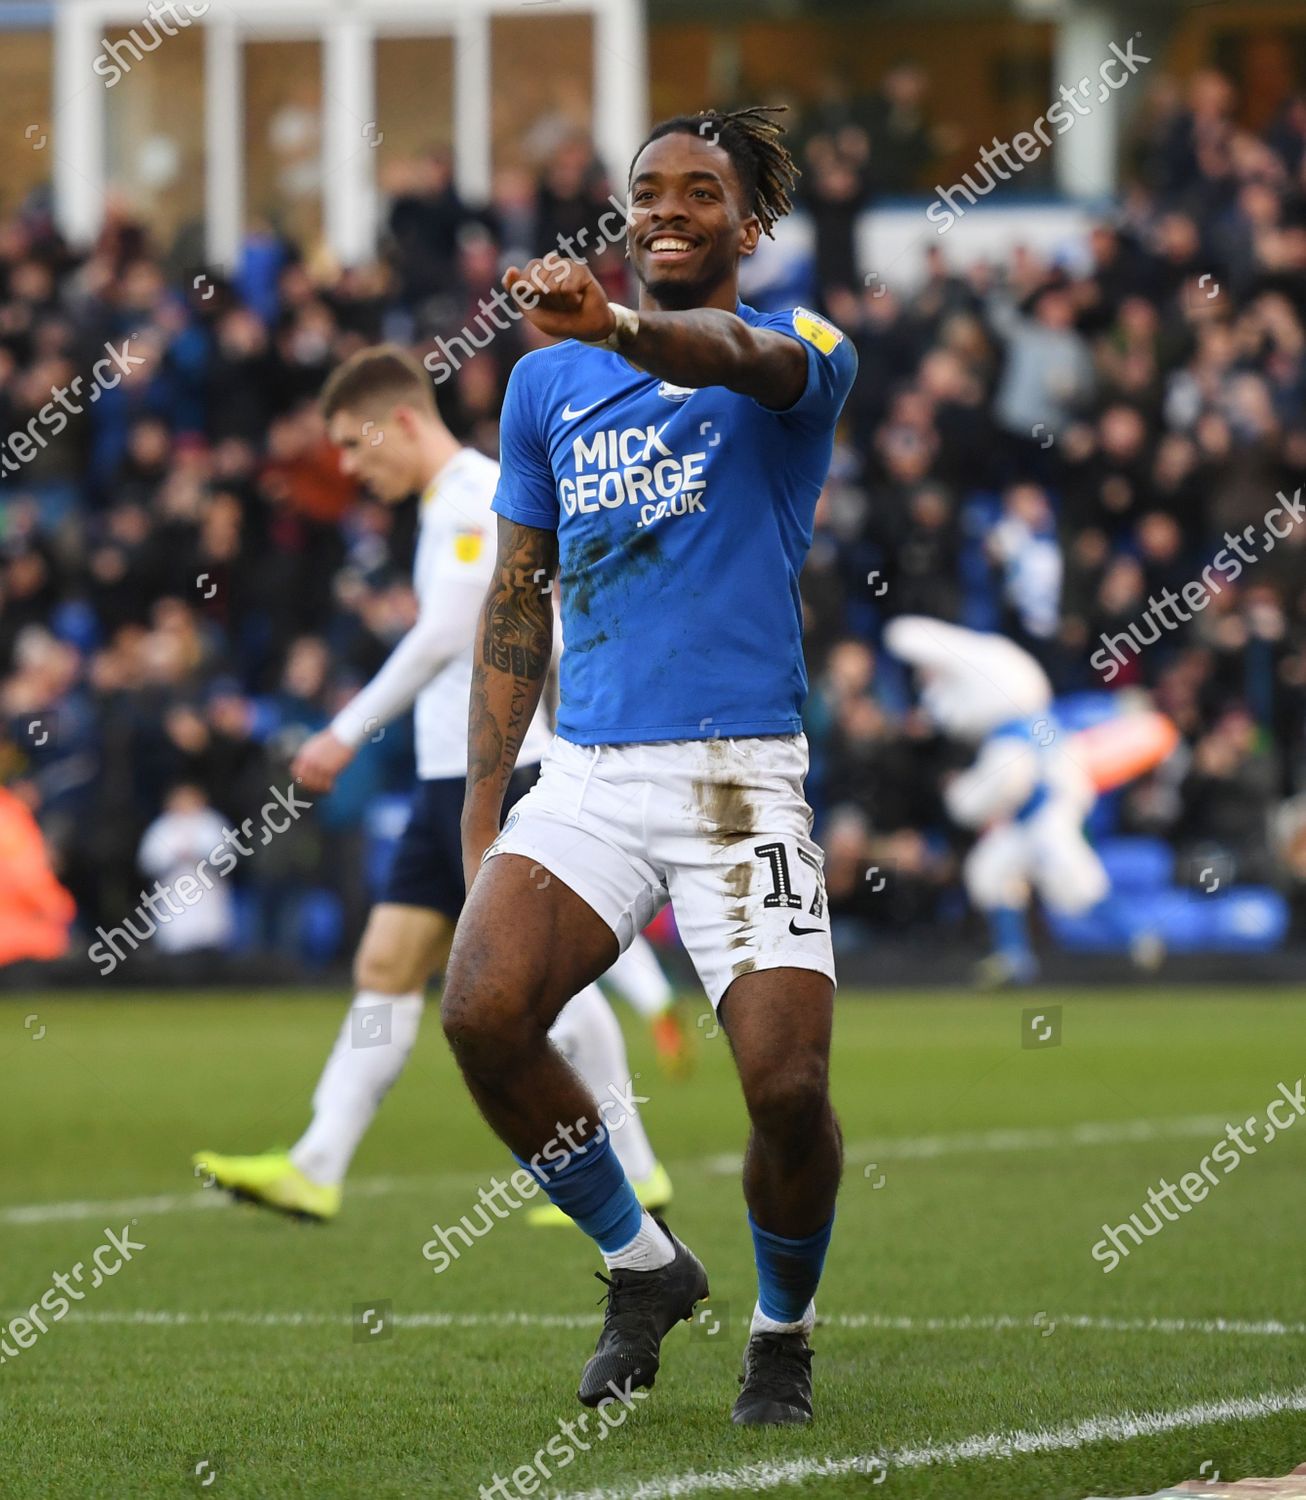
1121	1428
1036	1138
877	1322
903	1148
110	1208
166	1318
1046	1323
174	1203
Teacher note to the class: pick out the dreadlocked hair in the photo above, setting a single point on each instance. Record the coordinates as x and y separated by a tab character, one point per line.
751	139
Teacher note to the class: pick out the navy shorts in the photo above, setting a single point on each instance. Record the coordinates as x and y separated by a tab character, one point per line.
428	863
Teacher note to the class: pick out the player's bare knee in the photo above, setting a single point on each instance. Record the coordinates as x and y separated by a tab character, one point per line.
466	1017
485	1026
377	969
790	1101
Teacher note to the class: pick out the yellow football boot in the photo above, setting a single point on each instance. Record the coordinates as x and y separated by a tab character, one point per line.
271	1180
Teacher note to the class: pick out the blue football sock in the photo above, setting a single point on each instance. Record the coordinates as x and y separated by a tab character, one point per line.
788	1271
1009	930
590	1187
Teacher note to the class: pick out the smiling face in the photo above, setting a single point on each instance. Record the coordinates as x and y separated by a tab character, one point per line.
689	223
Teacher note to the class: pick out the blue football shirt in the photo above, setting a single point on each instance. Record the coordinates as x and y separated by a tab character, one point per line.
683	519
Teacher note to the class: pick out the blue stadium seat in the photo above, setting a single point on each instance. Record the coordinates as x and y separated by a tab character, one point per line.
1247	919
244	910
1250	919
320	926
1137	864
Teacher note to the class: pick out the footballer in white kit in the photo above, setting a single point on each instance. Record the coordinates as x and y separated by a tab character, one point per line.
381	412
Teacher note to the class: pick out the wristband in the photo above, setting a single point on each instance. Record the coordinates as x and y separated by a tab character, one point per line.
625	328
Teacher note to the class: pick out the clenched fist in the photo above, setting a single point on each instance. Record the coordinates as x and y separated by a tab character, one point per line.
562	298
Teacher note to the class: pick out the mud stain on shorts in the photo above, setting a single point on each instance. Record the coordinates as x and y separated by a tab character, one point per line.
729	819
727	811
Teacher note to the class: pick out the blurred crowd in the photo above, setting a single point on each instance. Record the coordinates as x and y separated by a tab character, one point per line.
189	587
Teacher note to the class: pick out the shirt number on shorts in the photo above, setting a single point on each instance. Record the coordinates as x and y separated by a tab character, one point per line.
782	892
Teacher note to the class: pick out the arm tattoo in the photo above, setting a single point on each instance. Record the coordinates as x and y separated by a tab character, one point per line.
513	650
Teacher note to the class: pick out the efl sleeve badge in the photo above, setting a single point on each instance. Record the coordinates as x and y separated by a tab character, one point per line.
467	545
816	331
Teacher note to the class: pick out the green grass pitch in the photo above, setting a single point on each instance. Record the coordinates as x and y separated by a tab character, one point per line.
961	1301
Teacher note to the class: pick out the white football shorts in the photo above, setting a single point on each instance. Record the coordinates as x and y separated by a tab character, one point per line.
719	827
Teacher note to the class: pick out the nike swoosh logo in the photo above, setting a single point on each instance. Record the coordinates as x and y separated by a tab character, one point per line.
570	416
802	931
